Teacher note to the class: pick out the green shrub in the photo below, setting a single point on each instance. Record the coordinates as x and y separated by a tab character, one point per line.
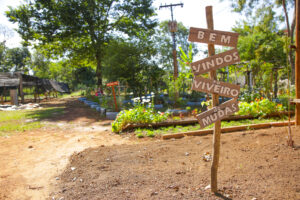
139	135
150	133
139	114
259	107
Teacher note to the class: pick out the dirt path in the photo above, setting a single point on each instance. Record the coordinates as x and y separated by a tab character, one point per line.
30	161
254	165
75	156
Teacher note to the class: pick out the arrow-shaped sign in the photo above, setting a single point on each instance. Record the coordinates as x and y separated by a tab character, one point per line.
215	62
213	37
216	87
218	113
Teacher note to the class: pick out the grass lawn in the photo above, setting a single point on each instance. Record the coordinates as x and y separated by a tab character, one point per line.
177	129
23	120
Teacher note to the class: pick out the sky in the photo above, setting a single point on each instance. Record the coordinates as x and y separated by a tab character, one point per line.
192	14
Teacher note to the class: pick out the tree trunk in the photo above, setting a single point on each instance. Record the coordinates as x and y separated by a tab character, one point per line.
99	71
290	31
276	84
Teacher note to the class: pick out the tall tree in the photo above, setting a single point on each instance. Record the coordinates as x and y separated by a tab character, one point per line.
250	7
262	45
132	63
18	59
164	43
81	28
5	34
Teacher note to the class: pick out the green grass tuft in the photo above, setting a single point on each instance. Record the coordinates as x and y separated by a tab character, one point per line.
25	120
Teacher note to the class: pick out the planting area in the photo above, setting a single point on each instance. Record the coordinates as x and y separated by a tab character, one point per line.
73	154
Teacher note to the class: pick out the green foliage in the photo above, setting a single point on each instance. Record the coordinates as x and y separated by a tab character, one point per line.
23	120
259	108
176	118
17	59
139	135
184	81
163	43
139	114
130	62
81	30
261	47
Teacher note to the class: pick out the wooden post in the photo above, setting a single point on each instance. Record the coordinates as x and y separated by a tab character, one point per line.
21	87
14	97
215	101
113	90
297	63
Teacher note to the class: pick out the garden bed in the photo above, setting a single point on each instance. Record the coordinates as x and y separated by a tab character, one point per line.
192	121
229	129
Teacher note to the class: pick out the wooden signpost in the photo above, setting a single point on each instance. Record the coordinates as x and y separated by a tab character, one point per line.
211	86
216	88
112	84
215	62
213	37
218	113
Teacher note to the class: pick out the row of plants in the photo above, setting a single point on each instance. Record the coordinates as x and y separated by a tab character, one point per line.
143	132
141	114
259	107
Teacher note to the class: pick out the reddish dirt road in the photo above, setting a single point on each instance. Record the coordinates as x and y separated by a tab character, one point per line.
253	165
77	157
31	160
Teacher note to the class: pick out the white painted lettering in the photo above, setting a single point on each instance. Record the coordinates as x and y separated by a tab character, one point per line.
226	90
212	37
195	68
234	92
204	66
214	117
228	111
209	87
228	58
235	107
197	85
225	39
221	113
219	61
206	121
217	88
200	35
235	56
210	64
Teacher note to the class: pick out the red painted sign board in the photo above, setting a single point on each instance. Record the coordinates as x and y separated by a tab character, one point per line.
112	83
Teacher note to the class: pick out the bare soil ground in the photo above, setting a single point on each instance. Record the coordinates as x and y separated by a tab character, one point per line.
77	157
253	165
31	160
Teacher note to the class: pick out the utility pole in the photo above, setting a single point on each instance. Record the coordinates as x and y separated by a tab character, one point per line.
173	29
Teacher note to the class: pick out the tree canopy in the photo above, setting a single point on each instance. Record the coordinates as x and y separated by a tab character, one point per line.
81	29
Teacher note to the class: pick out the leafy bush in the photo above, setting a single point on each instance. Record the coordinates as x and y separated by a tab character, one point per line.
139	114
259	107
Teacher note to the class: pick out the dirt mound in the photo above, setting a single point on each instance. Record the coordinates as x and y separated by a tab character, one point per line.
253	165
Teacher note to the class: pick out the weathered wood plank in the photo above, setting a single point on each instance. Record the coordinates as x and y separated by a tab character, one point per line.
215	87
215	37
215	62
217	113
